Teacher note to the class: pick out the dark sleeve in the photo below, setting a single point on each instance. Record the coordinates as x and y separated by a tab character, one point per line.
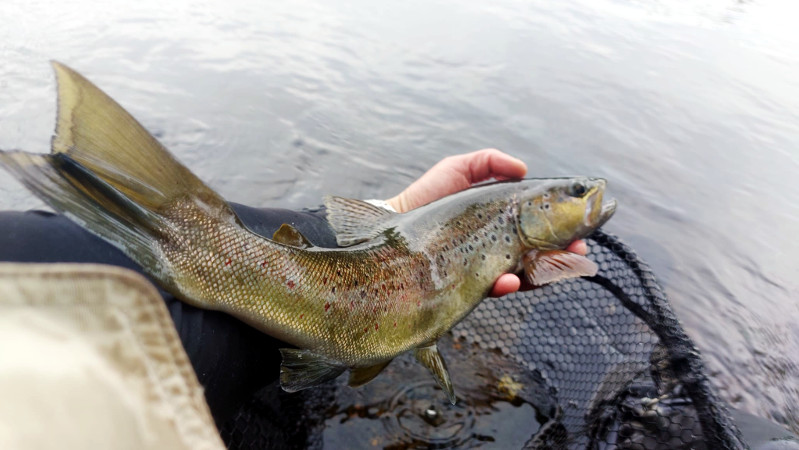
231	359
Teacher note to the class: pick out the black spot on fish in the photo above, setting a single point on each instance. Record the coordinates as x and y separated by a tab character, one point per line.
471	249
507	238
479	216
501	220
507	256
494	237
546	206
483	257
355	283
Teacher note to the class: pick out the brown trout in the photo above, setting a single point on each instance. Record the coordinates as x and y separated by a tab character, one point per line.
399	282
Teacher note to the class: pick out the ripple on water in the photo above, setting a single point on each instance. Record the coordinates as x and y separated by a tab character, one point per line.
499	403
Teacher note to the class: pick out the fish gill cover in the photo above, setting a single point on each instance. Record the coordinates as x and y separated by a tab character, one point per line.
598	362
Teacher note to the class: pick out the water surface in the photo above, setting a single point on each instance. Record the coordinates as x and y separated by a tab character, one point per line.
690	109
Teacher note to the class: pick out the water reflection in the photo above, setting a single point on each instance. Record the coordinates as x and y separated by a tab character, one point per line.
690	109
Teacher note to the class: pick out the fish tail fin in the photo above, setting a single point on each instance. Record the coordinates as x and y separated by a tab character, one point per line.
68	187
107	173
97	133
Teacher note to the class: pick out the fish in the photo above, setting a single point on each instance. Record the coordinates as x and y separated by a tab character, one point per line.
397	282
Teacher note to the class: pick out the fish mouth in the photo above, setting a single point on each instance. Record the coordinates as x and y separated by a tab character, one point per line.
597	212
608	208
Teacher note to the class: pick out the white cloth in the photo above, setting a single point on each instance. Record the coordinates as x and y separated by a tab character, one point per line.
89	358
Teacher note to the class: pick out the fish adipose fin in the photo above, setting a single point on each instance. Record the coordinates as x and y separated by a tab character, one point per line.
547	266
303	369
289	235
363	375
355	221
431	358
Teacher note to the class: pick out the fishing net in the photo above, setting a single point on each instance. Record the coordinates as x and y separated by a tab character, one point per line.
596	363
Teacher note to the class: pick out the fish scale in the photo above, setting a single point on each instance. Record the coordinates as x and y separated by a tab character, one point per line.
398	282
367	290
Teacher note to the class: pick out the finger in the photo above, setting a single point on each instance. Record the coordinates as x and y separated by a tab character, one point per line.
579	247
505	284
492	163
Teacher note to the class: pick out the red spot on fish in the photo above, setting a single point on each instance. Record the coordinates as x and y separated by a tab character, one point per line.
384	286
377	326
352	305
327	306
395	324
302	315
324	281
227	263
418	303
263	264
365	329
290	284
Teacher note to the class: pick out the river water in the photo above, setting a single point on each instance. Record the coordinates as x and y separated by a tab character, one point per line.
689	108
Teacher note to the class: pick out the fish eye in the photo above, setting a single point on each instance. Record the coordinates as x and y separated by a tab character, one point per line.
577	189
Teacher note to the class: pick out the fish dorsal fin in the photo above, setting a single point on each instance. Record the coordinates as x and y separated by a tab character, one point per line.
363	375
355	221
431	358
289	235
101	136
547	266
303	369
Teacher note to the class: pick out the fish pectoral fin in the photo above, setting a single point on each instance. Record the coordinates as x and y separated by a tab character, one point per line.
303	369
355	221
547	266
289	235
362	375
431	358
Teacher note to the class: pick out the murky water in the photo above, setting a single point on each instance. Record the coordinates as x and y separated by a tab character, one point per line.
690	109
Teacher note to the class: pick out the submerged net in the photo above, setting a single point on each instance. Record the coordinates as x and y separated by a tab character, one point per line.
597	363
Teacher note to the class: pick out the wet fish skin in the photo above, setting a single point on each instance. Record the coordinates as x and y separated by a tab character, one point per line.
402	281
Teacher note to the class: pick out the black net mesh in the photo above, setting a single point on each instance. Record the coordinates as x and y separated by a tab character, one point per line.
596	362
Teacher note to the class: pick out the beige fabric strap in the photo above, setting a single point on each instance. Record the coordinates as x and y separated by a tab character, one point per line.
89	358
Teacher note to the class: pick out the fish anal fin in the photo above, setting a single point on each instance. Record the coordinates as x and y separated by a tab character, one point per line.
303	369
289	235
430	357
362	375
547	266
355	221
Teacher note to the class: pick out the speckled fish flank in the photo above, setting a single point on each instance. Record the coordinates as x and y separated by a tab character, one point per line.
398	283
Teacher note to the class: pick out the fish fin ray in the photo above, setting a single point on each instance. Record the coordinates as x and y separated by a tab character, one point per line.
362	375
303	369
547	266
431	358
96	132
355	221
67	186
289	235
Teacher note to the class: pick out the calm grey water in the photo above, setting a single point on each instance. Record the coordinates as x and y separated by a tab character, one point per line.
690	109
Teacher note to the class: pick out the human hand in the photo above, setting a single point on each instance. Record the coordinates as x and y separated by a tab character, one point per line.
456	173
